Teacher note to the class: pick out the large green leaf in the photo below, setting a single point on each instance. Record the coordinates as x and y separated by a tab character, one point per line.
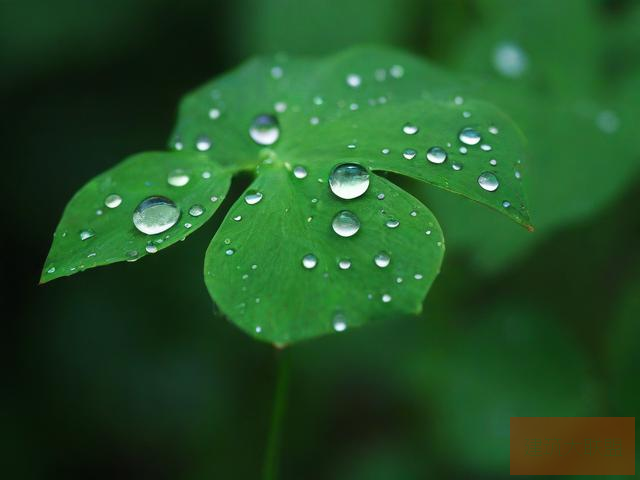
378	108
91	234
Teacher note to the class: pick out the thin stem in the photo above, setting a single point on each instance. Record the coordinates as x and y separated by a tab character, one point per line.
272	453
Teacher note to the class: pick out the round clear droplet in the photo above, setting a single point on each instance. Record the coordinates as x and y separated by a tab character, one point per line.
382	259
488	181
265	130
86	234
299	172
339	322
196	210
392	223
410	129
345	223
178	178
409	153
344	264
112	201
354	80
436	155
252	197
469	136
309	261
349	180
155	215
203	143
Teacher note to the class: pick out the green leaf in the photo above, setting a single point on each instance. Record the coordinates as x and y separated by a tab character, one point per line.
369	106
254	266
109	233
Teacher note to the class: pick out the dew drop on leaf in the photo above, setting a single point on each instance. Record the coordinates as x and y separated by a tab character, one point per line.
354	80
382	259
436	155
344	264
264	129
112	201
196	210
410	129
214	114
469	136
299	172
409	153
345	223
252	197
488	181
392	223
386	298
155	215
349	180
339	322
203	143
510	60
86	234
309	261
178	178
151	248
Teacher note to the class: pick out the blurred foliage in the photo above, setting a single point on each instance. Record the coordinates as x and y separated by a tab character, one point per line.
119	373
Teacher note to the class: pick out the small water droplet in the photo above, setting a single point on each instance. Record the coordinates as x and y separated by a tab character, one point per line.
86	234
229	251
344	264
506	204
456	166
252	197
410	129
151	248
409	153
392	223
349	180
345	223
203	143
493	130
51	270
488	181
309	261
493	162
112	201
258	329
385	151
485	148
214	114
436	155
237	218
351	146
317	100
314	120
354	80
463	150
277	72
418	276
196	210
299	172
280	107
380	196
608	121
397	71
458	100
413	213
382	259
99	212
339	322
510	60
213	199
206	175
386	298
469	136
178	178
265	130
155	215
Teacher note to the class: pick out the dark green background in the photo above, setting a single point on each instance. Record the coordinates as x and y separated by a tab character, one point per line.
127	372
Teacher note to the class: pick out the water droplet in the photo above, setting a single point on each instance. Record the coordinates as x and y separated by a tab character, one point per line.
353	107
436	155
196	210
386	298
309	261
382	259
339	322
456	166
399	280
299	172
485	148
469	136
203	143
506	204
385	151
493	130
410	129
151	248
409	153
466	114
112	201
265	130
418	276
428	232
277	72
607	121
345	223
51	270
517	174
509	60
351	146
252	197
344	264
397	71
458	100
99	212
349	180
132	255
317	100
314	120
280	107
177	144
214	114
493	162
413	213
488	181
237	218
380	196
206	175
392	223
229	252
155	215
178	178
463	150
213	199
86	234
354	80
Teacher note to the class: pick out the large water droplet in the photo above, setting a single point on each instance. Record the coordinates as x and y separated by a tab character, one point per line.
410	129
510	60
488	181
86	234
382	259
155	215
469	136
112	201
265	130
309	261
345	223
252	197
349	180
436	155
178	178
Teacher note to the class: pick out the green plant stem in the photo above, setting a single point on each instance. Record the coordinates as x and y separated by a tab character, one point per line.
272	453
